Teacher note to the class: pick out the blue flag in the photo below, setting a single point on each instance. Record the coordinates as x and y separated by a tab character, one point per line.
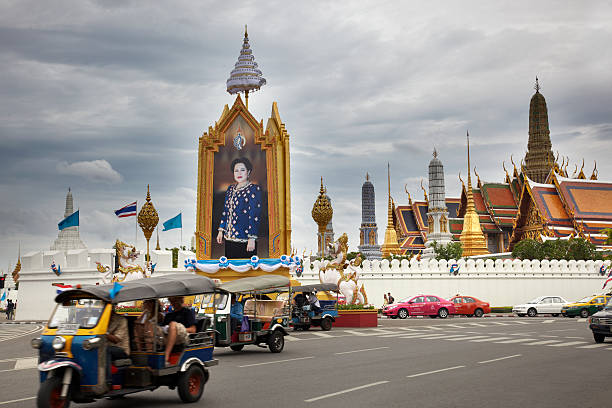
3	297
70	221
175	222
114	290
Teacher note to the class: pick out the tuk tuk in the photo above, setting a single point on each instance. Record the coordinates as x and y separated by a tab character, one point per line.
264	321
304	314
75	361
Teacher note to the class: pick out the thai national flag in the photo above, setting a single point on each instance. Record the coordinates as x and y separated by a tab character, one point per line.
127	211
609	278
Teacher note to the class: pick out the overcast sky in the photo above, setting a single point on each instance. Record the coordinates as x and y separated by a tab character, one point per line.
109	96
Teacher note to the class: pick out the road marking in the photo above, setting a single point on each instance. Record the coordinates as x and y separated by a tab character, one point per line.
11	333
549	321
17	400
549	336
415	336
501	324
345	391
434	328
322	334
436	336
590	346
434	371
519	322
293	338
381	331
478	324
539	343
357	351
14	359
571	343
490	339
466	338
355	333
513	341
25	363
400	334
498	359
274	362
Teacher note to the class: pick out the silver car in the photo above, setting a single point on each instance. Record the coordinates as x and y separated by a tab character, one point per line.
541	305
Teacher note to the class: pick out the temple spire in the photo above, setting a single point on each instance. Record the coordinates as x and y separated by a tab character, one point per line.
539	159
472	238
390	246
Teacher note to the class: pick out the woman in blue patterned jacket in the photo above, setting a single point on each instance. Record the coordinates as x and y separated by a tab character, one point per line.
241	213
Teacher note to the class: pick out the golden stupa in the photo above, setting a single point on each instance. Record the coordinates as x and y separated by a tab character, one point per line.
472	238
390	246
148	219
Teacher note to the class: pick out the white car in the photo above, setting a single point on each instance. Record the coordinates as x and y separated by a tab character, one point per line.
541	305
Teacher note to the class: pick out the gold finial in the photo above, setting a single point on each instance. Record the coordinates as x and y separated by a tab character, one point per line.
367	176
148	219
462	183
581	174
537	85
322	211
478	184
408	192
245	31
435	153
157	248
391	245
594	174
424	191
506	171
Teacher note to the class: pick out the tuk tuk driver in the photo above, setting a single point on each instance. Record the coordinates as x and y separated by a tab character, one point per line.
315	305
236	313
118	336
178	324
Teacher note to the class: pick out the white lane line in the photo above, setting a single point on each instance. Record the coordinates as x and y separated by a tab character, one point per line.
399	334
14	359
381	331
466	338
490	339
478	324
17	400
25	363
501	324
355	333
319	334
333	394
514	341
357	351
274	362
499	359
549	336
590	346
293	338
456	325
571	343
434	371
519	322
407	329
435	336
415	336
549	321
539	343
434	328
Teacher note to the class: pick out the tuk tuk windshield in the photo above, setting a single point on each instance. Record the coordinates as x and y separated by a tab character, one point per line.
82	312
209	302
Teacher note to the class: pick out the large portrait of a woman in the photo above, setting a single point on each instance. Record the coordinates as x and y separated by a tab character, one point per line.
240	210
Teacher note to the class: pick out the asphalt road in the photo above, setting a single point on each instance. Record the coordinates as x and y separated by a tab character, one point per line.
458	362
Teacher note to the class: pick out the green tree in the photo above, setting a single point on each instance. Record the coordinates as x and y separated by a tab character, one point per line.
581	249
452	250
568	249
528	249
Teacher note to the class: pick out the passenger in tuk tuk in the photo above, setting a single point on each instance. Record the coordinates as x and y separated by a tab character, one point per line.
315	305
300	300
147	325
118	336
177	325
236	314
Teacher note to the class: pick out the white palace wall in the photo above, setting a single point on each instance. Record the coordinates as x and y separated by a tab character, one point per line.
501	282
36	292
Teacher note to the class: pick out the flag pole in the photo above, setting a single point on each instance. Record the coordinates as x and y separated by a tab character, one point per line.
136	227
181	246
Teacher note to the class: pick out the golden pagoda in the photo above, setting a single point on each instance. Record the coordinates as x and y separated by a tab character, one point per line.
472	238
390	246
322	213
17	269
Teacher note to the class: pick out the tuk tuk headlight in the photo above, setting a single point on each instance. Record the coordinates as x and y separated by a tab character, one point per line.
92	343
36	343
58	343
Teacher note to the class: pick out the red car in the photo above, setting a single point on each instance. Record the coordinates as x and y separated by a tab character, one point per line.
470	306
420	305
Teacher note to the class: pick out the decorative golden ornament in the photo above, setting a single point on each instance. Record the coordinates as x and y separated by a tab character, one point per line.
148	219
322	210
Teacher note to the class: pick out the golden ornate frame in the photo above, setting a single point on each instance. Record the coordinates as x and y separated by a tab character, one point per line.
275	142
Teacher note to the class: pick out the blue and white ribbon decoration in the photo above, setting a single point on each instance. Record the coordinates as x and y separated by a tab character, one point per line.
244	265
454	269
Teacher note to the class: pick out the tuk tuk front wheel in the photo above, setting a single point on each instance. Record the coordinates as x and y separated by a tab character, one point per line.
276	341
190	384
326	324
237	347
49	394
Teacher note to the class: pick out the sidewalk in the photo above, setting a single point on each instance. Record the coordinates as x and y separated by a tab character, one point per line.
4	321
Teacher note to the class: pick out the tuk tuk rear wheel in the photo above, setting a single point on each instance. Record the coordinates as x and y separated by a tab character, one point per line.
190	384
276	341
326	324
49	394
237	347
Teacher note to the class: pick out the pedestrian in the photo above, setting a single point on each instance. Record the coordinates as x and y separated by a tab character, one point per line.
390	298
9	309
386	301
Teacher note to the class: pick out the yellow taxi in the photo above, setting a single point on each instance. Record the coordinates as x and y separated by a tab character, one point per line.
586	306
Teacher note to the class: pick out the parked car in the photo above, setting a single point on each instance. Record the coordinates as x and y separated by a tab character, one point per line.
420	305
601	323
470	306
541	305
585	307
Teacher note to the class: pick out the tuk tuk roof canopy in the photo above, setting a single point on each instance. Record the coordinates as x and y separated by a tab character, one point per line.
255	283
315	286
178	284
